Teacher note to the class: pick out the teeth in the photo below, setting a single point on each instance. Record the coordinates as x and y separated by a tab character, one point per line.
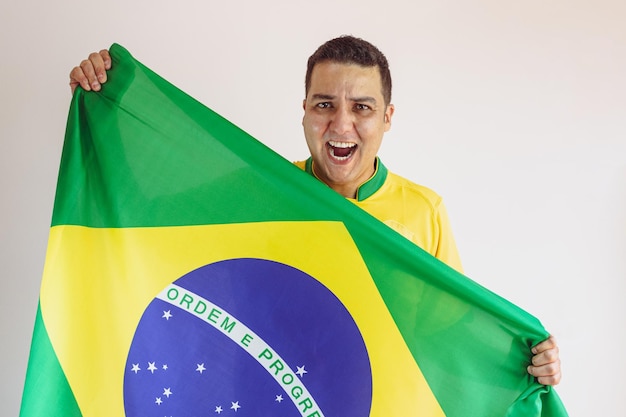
339	158
341	144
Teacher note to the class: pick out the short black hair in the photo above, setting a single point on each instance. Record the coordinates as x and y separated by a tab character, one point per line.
348	49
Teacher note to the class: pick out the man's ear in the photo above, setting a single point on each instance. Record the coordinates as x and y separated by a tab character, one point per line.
388	115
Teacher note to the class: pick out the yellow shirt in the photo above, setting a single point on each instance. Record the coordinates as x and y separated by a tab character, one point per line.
414	211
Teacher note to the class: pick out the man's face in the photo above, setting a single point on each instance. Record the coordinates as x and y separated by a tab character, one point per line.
344	121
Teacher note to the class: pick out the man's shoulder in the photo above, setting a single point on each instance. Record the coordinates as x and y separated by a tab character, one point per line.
412	189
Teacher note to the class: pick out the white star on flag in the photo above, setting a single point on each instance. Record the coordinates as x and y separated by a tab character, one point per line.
136	368
166	315
235	406
279	398
167	392
158	401
301	371
165	367
200	367
151	367
218	409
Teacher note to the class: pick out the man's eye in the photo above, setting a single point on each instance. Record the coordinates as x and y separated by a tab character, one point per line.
323	105
360	106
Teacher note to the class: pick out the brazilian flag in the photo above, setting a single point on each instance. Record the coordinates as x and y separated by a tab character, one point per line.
191	271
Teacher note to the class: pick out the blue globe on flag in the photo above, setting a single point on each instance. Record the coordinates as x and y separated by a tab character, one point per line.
247	337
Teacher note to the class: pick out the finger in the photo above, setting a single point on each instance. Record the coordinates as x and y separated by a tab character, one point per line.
106	58
94	69
546	357
547	344
549	374
549	369
546	375
78	77
101	62
87	76
550	380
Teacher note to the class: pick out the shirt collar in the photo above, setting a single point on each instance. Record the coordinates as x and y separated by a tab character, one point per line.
369	187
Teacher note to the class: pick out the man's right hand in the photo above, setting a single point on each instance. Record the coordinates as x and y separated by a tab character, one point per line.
92	72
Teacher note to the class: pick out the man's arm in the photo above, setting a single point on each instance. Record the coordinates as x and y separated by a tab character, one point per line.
546	364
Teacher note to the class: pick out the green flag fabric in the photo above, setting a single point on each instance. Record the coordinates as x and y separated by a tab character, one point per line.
192	271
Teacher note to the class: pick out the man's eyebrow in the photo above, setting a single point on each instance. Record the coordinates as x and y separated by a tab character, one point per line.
364	99
323	97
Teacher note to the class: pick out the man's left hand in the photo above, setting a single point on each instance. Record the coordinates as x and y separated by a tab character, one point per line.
546	364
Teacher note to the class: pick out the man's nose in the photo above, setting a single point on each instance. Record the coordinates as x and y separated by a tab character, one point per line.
342	120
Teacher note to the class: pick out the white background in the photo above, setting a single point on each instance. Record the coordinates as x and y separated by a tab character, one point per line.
515	112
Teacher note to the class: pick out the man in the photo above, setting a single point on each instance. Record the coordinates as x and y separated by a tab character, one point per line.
347	110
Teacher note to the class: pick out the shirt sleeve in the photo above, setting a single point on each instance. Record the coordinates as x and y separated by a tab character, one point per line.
446	250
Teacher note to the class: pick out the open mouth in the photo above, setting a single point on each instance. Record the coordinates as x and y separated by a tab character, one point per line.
341	151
